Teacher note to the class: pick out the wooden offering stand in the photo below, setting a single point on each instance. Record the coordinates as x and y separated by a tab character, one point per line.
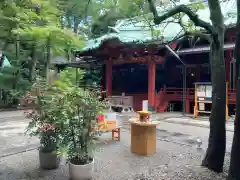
143	134
143	116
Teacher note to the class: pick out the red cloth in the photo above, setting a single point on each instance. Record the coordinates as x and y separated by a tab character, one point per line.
100	118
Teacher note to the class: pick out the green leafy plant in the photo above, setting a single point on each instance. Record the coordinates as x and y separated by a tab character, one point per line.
79	108
64	116
44	116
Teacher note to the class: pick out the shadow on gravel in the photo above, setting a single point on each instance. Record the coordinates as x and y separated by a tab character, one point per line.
191	141
34	174
162	130
8	128
177	134
17	150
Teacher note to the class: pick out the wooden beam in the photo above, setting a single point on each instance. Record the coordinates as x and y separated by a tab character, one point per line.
143	60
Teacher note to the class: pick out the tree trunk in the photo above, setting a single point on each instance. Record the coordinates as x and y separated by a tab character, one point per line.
76	24
48	59
234	173
68	17
214	158
17	45
33	63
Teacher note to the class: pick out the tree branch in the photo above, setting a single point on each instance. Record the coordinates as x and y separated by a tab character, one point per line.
201	35
184	9
86	8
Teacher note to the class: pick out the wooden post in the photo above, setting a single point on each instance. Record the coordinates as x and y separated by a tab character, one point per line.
187	108
108	78
151	84
195	111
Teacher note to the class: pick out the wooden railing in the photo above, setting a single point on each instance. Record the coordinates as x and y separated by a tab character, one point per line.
231	96
175	94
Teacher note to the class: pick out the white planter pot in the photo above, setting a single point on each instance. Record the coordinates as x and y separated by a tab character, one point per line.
81	172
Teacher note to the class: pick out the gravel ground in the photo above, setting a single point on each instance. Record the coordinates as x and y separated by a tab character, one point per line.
12	137
114	161
189	132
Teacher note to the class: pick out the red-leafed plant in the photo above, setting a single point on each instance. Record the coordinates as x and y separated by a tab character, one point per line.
43	116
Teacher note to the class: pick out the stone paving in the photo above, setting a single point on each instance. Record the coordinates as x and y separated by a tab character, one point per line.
12	137
11	114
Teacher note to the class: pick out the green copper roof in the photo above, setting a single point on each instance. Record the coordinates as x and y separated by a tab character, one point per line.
135	29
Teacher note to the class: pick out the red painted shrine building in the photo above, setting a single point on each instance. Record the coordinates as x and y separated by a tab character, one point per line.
138	65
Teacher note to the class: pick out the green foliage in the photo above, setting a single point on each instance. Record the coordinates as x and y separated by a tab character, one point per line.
142	17
41	23
92	78
31	33
64	116
79	111
114	11
44	116
60	39
156	33
70	77
79	108
14	83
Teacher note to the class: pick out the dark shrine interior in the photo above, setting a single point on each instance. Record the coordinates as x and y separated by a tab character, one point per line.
133	77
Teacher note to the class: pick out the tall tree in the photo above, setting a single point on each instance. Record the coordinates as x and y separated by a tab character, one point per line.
214	157
30	24
113	10
234	173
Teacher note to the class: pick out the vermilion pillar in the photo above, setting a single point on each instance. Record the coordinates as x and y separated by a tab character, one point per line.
151	84
187	102
187	108
108	78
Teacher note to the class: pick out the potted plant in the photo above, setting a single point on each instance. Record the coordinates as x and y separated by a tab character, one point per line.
80	109
48	157
44	124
